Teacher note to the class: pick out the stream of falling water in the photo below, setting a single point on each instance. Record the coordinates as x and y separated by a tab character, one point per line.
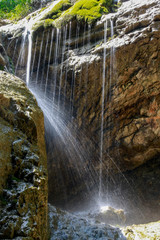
22	51
67	65
62	61
102	112
39	59
49	110
50	52
73	147
29	57
58	38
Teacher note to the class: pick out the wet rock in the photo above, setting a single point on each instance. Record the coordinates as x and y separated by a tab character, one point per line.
110	215
4	60
71	226
23	180
38	4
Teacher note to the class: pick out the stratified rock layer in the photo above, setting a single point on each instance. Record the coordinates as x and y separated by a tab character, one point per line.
23	164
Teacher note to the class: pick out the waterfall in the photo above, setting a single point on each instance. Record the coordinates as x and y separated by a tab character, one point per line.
58	38
15	48
49	59
58	122
39	59
34	56
29	57
50	101
22	50
62	60
102	112
44	61
67	65
112	53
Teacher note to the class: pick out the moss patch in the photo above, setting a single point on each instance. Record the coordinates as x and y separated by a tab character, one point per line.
82	10
57	10
88	11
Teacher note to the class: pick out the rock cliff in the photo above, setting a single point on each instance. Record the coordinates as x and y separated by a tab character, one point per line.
131	110
23	164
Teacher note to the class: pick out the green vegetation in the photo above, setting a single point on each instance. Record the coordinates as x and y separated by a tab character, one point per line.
82	10
88	11
14	9
64	11
58	9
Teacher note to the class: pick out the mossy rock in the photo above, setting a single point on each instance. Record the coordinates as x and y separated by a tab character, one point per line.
57	10
82	11
42	25
88	11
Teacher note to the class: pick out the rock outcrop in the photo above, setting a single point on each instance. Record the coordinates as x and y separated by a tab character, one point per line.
131	111
23	164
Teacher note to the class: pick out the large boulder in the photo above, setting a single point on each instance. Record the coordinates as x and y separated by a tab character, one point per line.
23	164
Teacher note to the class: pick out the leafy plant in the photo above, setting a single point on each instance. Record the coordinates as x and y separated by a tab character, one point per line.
14	9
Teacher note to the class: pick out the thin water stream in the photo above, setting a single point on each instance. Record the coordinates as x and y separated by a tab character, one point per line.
102	112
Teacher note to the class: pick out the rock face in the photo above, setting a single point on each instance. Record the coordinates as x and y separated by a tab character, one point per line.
71	61
23	164
131	99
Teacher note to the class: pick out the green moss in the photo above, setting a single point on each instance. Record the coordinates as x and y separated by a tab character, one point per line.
48	23
88	11
43	24
57	10
48	19
82	10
